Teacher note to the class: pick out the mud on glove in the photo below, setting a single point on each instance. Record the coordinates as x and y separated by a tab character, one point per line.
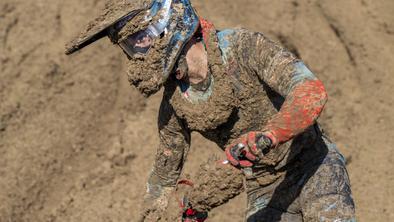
250	148
191	215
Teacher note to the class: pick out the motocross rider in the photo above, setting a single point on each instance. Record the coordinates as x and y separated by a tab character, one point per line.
252	97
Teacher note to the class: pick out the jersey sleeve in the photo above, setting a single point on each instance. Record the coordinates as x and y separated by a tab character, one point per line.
305	95
173	147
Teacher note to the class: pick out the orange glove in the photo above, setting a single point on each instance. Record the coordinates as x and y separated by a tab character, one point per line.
249	148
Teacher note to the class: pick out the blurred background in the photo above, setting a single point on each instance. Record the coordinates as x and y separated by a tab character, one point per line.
77	142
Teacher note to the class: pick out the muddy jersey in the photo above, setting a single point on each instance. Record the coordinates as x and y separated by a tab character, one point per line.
254	86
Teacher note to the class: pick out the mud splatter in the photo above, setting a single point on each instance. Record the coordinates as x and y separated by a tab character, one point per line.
219	106
215	184
146	72
112	12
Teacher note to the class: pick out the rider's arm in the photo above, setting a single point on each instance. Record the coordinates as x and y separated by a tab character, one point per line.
174	145
170	156
305	95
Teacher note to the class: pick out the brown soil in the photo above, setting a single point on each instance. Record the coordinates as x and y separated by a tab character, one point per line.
77	143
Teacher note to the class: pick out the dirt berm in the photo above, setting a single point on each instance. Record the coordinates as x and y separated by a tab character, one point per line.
77	142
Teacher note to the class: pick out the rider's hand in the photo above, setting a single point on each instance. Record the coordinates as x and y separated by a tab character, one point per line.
249	148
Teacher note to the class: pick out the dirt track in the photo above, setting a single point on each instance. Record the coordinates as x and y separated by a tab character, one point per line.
76	142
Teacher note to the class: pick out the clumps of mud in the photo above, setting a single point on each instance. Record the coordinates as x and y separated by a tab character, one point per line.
146	72
219	106
149	72
96	29
215	184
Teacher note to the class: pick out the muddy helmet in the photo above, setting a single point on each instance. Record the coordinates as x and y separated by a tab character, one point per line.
135	25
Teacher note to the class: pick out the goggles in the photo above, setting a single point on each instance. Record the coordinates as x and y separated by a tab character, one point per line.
141	41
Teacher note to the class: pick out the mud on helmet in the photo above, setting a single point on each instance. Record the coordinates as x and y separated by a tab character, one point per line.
151	33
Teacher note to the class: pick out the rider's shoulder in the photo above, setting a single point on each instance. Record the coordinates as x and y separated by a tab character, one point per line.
230	34
228	39
234	36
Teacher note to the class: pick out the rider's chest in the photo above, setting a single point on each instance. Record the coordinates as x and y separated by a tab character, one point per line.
206	110
236	99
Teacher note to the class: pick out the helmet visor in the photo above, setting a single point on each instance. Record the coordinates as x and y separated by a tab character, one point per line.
137	43
140	42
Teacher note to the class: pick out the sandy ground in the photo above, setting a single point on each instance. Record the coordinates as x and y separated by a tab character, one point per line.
76	142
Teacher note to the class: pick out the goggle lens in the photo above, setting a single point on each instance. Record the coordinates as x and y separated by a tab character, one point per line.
139	42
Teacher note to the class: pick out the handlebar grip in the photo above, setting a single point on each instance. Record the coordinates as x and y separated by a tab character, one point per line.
264	144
